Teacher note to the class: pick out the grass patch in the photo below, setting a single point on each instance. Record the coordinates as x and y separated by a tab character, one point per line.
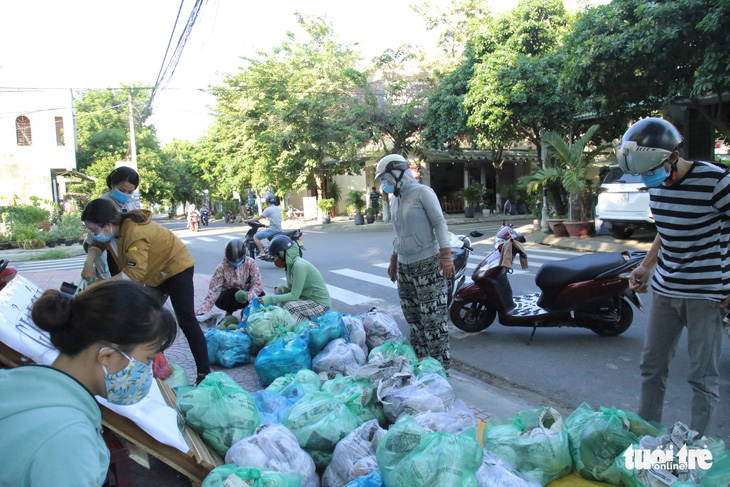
51	255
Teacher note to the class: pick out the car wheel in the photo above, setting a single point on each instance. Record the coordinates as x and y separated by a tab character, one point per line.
621	232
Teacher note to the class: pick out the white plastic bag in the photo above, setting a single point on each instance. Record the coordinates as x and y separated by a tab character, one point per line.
495	472
379	328
384	374
428	393
356	330
337	357
354	455
275	447
459	418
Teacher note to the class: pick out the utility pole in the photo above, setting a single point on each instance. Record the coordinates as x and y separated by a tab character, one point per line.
132	143
543	155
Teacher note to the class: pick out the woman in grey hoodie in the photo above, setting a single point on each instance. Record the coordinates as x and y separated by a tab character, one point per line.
421	258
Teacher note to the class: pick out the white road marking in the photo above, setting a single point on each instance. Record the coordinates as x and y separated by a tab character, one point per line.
345	296
364	276
72	263
229	237
186	242
206	239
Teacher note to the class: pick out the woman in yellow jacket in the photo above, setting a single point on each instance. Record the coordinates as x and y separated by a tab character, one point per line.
149	253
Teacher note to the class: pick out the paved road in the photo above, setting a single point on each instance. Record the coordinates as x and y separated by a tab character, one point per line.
562	367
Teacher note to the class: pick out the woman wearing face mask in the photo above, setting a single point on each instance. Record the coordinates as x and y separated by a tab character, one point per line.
149	253
235	273
421	258
305	294
122	183
50	423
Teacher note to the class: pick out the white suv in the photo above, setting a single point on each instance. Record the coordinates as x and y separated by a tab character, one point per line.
623	201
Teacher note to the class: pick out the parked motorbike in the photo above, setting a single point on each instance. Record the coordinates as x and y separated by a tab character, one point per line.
253	251
589	291
7	273
204	217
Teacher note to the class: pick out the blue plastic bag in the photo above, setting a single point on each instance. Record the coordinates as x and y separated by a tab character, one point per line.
250	308
228	348
281	358
329	326
370	480
273	406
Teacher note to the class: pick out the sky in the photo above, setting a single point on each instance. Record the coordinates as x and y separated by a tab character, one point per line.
102	43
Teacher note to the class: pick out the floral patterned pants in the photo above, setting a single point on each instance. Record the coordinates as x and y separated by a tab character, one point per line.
423	298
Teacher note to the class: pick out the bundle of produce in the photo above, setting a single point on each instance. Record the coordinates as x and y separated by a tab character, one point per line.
251	477
427	366
319	421
597	438
354	455
535	443
219	410
337	357
296	385
228	348
379	328
409	455
384	374
263	324
178	378
281	358
429	393
274	447
358	395
324	329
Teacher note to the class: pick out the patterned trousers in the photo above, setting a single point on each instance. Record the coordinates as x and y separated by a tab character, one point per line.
423	298
304	309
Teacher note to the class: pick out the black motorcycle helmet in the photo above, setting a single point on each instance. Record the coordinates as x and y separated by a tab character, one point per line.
279	244
235	252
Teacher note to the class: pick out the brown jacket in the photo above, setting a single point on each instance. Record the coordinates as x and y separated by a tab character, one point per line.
148	252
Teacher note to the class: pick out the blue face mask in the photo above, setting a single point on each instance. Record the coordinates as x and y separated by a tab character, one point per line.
121	197
654	178
387	187
235	264
103	238
131	384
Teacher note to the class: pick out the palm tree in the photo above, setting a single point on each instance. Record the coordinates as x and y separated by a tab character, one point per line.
570	168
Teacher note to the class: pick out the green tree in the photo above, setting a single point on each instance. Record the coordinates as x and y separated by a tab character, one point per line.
630	58
294	116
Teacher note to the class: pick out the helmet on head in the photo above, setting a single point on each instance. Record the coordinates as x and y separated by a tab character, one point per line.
646	144
270	199
235	251
389	163
279	244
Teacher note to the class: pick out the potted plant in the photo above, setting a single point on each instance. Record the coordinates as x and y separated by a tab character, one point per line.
370	215
473	196
28	236
571	170
356	198
326	205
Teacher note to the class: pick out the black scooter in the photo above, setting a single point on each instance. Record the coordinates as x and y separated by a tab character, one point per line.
253	251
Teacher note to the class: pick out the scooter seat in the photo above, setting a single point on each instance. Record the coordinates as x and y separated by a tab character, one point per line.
554	276
289	233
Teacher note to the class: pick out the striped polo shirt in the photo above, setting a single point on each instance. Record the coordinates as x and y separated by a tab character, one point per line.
693	221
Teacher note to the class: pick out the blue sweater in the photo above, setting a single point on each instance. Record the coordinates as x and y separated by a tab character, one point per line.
50	431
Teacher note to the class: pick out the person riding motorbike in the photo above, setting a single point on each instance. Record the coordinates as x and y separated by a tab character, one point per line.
273	214
204	215
193	214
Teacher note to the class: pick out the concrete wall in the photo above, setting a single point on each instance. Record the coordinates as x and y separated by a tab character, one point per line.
26	170
347	184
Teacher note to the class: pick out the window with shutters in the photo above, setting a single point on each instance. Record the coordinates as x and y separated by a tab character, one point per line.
59	131
22	130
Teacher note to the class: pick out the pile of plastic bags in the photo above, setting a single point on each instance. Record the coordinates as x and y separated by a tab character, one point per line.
228	348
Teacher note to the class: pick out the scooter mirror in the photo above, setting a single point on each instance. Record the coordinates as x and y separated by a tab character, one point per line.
521	238
475	233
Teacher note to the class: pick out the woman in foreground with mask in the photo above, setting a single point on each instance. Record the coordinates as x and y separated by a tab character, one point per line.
421	258
149	253
50	423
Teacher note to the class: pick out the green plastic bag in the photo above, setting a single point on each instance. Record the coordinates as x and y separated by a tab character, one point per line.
391	348
307	378
358	395
253	477
263	325
429	365
409	456
535	444
319	420
219	410
178	378
598	437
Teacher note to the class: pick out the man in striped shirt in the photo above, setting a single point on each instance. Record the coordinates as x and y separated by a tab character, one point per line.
689	260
